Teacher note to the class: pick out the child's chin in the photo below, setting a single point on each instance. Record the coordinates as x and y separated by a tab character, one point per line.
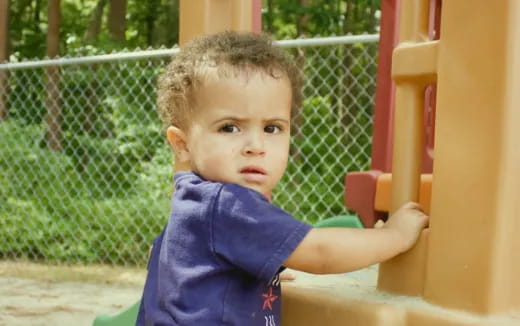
256	188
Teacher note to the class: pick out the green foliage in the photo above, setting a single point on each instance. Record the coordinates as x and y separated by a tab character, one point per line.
27	96
148	23
312	188
333	133
106	195
294	18
50	212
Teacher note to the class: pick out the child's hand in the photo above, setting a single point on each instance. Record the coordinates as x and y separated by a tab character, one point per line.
408	222
379	224
287	276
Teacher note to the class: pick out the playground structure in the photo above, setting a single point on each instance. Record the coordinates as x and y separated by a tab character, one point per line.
463	270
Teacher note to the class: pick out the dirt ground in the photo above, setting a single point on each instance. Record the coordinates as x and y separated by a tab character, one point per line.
32	294
42	295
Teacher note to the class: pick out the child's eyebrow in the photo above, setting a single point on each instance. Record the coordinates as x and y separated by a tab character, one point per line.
238	119
229	118
279	120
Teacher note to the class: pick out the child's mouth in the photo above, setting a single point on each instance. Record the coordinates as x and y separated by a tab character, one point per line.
253	174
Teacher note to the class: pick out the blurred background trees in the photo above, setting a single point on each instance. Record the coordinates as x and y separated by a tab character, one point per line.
102	24
115	24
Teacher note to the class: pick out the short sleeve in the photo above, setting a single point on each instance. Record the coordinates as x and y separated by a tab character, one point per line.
251	233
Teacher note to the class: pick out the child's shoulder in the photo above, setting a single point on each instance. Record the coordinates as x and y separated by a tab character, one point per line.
227	191
189	179
236	192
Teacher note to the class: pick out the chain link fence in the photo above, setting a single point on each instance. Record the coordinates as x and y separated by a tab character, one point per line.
86	175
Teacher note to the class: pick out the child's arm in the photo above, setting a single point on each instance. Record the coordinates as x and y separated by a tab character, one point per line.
341	250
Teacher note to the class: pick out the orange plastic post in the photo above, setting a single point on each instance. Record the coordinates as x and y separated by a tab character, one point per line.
383	195
413	68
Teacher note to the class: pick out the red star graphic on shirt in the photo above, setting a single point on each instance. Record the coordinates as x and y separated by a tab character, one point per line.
269	298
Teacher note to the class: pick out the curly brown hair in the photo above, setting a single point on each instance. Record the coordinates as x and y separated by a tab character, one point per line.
238	52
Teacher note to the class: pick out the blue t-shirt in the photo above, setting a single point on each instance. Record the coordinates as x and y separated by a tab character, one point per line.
218	259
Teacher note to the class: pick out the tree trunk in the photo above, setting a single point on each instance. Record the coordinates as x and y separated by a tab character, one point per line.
151	18
4	55
94	27
53	136
117	20
4	29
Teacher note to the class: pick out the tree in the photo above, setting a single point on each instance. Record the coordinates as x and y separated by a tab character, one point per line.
124	24
94	27
117	20
4	55
53	136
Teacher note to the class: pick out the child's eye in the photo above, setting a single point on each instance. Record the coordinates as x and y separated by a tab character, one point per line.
272	129
228	128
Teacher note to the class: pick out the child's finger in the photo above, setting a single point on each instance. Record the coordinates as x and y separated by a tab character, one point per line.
413	205
427	221
379	224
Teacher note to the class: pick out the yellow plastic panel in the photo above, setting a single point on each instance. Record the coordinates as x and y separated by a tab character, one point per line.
474	253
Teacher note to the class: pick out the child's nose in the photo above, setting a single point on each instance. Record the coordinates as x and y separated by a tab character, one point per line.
254	145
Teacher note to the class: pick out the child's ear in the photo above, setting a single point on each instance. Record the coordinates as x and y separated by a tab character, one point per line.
178	142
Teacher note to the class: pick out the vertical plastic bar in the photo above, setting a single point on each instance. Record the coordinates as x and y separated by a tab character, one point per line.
256	12
408	140
405	274
408	144
414	20
212	16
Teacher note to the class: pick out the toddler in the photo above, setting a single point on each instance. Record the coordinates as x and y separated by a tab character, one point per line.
227	101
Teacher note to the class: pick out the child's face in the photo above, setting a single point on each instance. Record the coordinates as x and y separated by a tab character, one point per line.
240	132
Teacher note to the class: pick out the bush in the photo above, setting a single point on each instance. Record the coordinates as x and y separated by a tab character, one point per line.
52	212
